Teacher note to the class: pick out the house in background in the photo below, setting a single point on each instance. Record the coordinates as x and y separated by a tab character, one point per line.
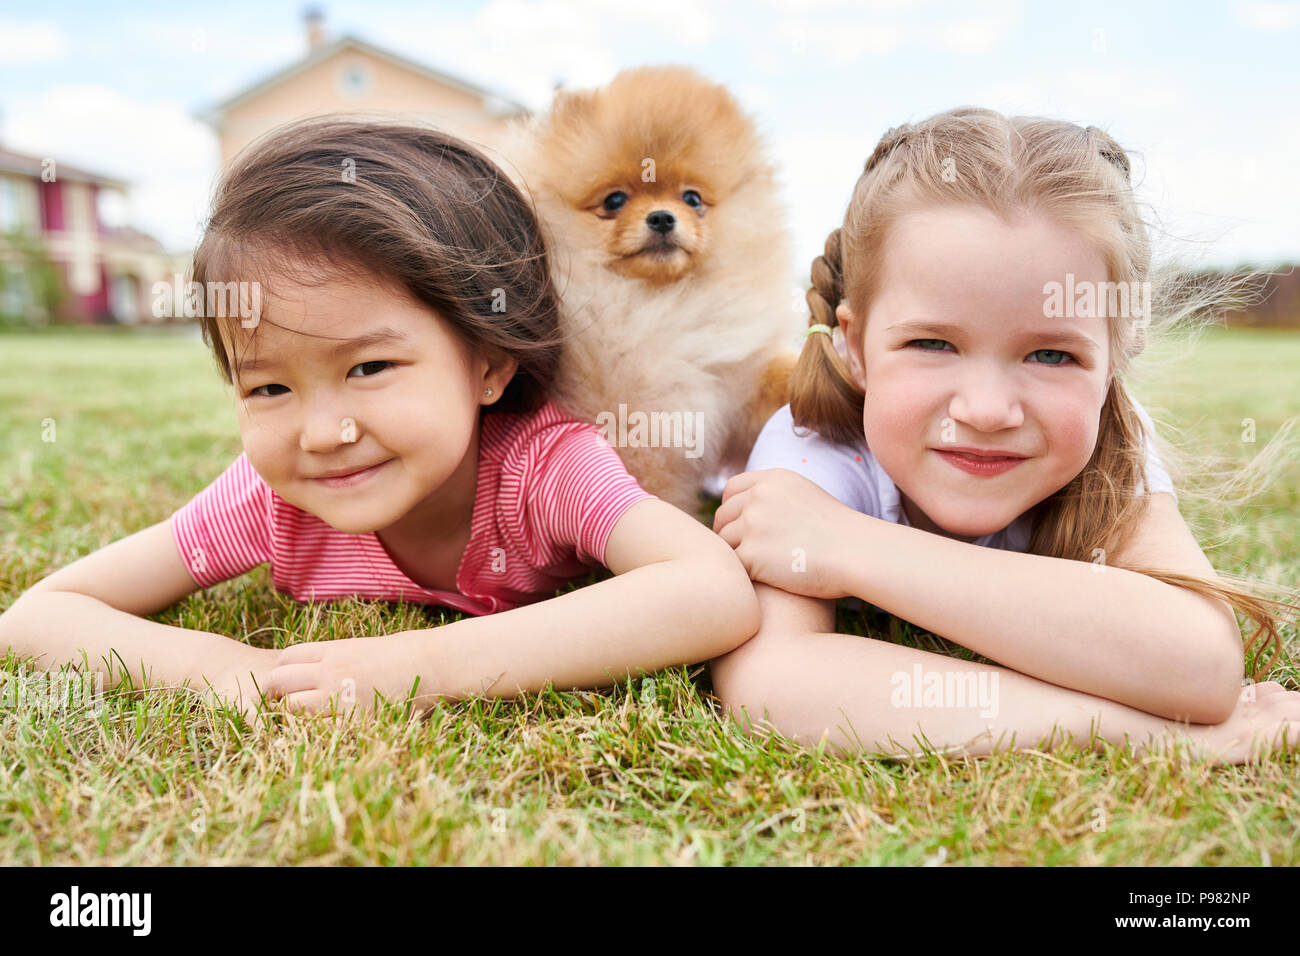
348	75
59	258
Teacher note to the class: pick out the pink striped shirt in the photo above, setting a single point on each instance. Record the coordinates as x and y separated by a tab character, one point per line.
550	491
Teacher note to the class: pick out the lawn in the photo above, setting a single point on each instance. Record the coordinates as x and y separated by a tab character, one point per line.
642	773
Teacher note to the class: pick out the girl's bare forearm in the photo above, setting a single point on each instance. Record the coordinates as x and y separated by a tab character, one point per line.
644	620
55	627
1101	630
870	696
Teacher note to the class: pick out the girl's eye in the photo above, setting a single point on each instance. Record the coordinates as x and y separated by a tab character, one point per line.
1054	356
258	391
366	364
924	342
692	199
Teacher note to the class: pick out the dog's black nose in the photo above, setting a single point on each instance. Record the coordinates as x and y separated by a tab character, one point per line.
661	221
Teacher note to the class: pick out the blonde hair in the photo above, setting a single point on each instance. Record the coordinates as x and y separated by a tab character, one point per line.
1078	178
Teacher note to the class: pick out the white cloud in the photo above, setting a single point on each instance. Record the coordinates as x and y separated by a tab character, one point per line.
687	20
1219	200
817	172
168	157
854	7
752	97
973	36
31	42
1009	98
827	41
841	32
227	56
1271	17
1137	90
523	48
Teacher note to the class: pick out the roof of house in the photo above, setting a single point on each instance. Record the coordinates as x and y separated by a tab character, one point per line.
26	165
495	102
133	238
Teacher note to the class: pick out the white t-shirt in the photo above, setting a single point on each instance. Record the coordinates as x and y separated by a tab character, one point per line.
851	475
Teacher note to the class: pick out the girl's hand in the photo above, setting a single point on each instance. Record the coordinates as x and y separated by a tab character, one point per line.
1265	721
787	531
235	678
342	676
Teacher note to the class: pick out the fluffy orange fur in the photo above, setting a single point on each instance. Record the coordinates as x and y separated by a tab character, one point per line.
672	258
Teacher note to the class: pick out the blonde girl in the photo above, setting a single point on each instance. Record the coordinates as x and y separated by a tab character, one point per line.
961	450
398	443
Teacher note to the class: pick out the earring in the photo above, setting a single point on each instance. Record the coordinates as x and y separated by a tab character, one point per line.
487	392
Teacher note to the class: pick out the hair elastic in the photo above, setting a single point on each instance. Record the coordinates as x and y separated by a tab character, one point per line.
819	327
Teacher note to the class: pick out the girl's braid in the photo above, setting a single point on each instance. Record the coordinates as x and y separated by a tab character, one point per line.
827	283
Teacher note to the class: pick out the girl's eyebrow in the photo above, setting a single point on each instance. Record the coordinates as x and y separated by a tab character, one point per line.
1064	336
384	336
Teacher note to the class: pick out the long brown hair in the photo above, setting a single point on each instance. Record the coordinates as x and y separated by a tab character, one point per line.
1080	178
405	204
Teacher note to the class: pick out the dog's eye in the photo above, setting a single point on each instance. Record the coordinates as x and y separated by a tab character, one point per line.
614	201
692	199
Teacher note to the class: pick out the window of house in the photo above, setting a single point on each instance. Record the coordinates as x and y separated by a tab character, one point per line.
354	79
123	300
10	214
15	297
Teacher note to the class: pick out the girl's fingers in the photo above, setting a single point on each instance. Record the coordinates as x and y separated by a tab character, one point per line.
304	653
728	510
728	529
289	679
316	703
741	482
303	702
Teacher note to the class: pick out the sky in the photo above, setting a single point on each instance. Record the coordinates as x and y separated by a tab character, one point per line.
1205	95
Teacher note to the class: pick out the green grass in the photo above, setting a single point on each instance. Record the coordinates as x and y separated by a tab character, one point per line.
642	773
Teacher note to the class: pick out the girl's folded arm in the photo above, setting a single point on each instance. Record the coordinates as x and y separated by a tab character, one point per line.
96	604
680	595
1093	627
868	695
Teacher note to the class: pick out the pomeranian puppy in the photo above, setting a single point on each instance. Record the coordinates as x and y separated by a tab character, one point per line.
671	257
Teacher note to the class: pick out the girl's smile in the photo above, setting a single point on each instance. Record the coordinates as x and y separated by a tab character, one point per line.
978	406
978	464
347	478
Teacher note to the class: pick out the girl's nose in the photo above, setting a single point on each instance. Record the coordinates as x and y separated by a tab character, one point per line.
326	425
986	401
